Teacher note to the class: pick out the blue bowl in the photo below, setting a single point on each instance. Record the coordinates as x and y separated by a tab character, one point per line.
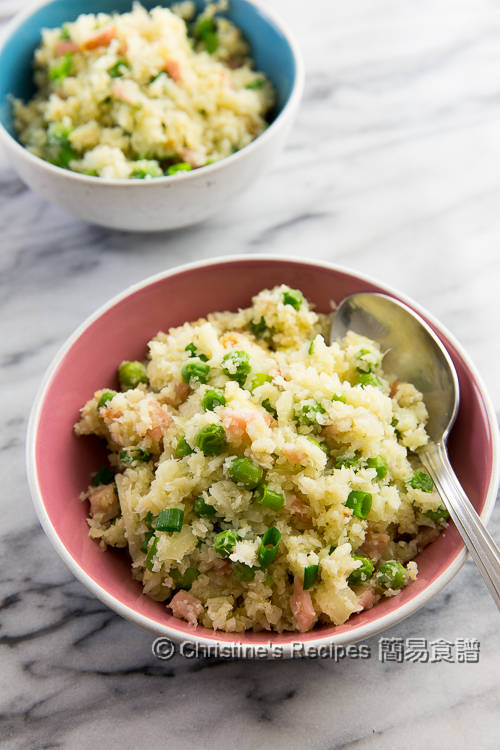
165	202
270	48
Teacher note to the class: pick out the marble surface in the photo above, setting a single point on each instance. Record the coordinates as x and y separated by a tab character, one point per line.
391	169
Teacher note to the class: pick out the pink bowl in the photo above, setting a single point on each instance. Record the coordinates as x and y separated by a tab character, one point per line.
59	464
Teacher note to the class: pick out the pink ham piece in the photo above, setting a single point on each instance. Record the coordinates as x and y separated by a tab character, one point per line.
104	503
302	607
121	91
374	544
102	39
173	69
65	47
236	421
297	507
160	420
178	395
186	607
367	599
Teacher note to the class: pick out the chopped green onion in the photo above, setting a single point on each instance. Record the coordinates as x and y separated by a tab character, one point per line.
236	365
146	168
149	519
244	572
391	575
211	399
170	519
339	397
130	374
259	379
105	398
146	540
359	502
225	542
368	378
438	515
183	448
363	573
211	440
193	352
332	549
394	422
65	36
349	462
206	31
379	464
323	445
310	575
306	414
182	166
270	408
104	475
203	509
185	580
311	347
130	456
269	545
271	499
293	297
421	481
59	70
258	328
151	553
245	472
257	84
115	71
195	372
365	363
58	132
65	156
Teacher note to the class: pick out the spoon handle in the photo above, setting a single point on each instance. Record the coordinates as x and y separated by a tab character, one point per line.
480	543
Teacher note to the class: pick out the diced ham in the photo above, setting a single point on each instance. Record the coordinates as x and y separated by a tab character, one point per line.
104	503
65	47
238	421
374	544
186	606
173	69
297	507
178	394
294	454
367	598
102	39
120	90
160	420
302	607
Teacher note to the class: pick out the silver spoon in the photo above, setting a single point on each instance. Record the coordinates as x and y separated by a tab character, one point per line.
415	355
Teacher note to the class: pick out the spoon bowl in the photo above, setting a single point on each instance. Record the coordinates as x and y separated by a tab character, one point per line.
414	354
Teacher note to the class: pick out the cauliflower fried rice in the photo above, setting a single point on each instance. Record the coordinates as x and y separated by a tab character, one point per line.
143	94
260	478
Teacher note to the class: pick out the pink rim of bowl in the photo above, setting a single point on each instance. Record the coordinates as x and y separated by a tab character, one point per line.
59	464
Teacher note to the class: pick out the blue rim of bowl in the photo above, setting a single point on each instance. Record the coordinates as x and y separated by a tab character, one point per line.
287	650
290	104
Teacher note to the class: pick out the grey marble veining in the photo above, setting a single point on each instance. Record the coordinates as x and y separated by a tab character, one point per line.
391	169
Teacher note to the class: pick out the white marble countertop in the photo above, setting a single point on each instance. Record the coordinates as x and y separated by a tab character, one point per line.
392	169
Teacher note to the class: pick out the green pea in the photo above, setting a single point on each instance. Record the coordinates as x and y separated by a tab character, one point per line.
258	328
211	399
183	448
130	374
306	413
182	166
105	398
421	481
438	515
391	575
195	371
293	297
59	70
203	509
363	573
211	440
259	379
225	542
368	378
206	31
379	464
245	472
244	573
236	365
